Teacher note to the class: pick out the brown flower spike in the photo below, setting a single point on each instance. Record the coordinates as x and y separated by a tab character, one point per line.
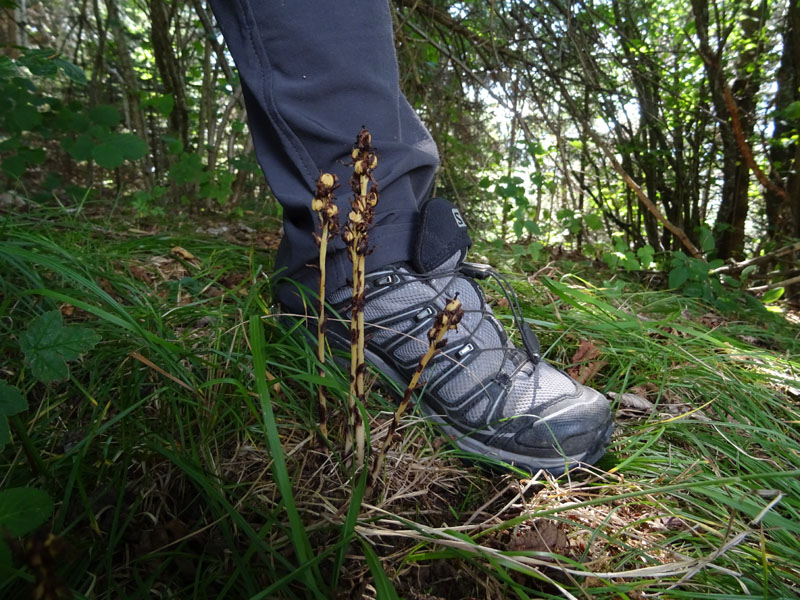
355	236
448	319
328	212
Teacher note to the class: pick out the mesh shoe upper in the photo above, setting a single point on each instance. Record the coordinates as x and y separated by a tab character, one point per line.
490	396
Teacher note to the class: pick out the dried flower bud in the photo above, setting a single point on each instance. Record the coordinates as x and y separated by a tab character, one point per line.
317	204
327	180
373	162
364	139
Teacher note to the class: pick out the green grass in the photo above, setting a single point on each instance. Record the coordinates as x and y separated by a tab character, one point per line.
181	460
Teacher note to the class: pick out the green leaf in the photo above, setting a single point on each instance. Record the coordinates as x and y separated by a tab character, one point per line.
678	276
706	239
11	400
133	147
25	118
115	148
772	295
108	155
383	585
23	509
163	105
105	114
533	228
39	61
15	165
188	169
645	254
48	344
5	558
593	222
80	148
791	112
73	72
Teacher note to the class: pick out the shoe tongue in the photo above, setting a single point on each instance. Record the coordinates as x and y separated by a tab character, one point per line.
442	238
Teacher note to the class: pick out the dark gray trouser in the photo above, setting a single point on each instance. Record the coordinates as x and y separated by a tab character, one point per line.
313	73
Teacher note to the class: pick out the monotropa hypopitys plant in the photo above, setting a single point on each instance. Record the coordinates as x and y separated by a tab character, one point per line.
355	235
328	212
447	319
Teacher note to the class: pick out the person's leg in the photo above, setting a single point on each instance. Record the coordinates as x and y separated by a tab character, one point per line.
313	73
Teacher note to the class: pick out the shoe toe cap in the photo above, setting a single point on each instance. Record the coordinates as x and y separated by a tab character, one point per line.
573	426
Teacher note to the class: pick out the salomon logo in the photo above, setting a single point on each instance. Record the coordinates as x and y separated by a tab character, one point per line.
459	219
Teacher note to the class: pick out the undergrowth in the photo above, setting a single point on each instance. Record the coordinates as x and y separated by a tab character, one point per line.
178	451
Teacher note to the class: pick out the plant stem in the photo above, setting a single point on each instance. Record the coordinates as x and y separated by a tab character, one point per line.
356	238
326	208
447	319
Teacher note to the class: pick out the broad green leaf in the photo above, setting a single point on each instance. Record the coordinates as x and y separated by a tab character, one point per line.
645	254
39	61
678	276
132	146
593	222
533	228
73	72
188	169
80	148
23	509
25	118
108	155
791	112
15	165
105	114
163	104
48	344
772	295
11	400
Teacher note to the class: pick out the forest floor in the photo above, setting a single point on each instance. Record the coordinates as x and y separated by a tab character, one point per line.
178	470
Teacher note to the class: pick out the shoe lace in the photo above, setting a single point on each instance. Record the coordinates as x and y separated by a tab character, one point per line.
529	339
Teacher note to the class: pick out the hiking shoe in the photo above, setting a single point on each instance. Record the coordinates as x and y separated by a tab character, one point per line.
492	398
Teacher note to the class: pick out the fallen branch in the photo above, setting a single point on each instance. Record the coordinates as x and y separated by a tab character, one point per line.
771	286
735	267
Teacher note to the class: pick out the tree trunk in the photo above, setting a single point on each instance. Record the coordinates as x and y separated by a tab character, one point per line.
732	214
129	78
9	32
168	67
783	215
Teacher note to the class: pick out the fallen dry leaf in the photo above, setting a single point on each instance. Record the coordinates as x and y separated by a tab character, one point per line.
183	253
586	353
541	536
633	401
141	274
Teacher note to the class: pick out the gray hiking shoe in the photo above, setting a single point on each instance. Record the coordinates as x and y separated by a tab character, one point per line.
492	398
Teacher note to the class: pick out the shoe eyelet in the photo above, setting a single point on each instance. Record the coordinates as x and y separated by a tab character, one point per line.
387	280
465	350
426	312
